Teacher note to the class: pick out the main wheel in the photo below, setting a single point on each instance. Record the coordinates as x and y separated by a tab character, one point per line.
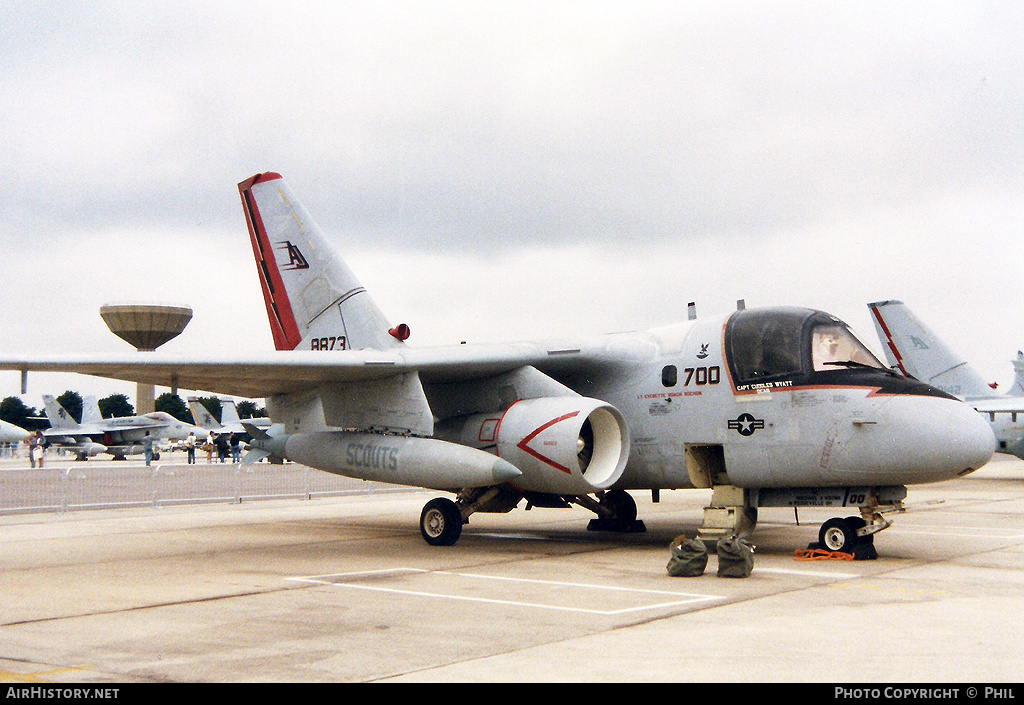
441	522
623	508
838	534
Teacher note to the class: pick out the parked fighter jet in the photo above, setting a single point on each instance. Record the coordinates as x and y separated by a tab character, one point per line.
915	350
229	420
119	436
769	407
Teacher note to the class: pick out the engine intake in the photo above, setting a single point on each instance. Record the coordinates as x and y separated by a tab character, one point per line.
562	445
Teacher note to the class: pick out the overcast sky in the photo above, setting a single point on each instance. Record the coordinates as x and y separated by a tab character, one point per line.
520	170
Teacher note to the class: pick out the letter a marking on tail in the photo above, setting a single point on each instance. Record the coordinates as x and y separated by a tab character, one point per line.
295	258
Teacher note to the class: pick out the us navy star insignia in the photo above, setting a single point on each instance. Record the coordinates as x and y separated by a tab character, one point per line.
746	424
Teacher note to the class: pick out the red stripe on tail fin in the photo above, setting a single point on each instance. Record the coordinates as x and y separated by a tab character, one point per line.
279	310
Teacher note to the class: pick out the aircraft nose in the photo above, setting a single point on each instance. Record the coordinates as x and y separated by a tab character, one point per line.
914	439
977	442
950	439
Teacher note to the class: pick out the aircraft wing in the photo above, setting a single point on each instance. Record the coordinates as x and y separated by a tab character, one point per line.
999	405
283	372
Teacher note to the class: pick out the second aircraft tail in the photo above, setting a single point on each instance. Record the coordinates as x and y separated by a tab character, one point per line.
912	347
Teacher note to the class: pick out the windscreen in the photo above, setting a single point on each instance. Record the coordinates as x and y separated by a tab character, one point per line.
833	346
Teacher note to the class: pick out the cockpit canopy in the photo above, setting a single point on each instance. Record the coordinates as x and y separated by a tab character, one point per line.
788	343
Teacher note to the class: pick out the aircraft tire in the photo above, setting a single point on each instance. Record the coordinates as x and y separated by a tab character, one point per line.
623	507
441	522
838	534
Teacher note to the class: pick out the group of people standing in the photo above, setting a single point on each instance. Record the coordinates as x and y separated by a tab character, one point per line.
224	444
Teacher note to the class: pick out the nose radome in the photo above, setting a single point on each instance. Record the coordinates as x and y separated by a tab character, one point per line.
951	438
916	439
978	443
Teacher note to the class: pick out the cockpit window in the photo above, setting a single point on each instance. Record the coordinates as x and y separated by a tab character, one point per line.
766	343
782	343
833	346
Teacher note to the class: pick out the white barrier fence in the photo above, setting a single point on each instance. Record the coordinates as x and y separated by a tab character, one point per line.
73	486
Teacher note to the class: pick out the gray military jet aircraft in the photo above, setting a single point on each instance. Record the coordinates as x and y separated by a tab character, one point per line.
229	421
768	407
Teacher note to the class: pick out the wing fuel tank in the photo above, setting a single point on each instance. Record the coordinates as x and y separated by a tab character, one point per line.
88	449
400	460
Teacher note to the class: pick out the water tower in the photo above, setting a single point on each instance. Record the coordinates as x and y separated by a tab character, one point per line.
146	327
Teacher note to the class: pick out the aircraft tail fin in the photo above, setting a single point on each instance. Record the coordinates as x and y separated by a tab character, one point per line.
1017	390
912	347
57	415
91	411
229	413
314	301
201	415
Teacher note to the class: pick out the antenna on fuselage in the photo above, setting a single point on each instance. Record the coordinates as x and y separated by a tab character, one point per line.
691	309
741	304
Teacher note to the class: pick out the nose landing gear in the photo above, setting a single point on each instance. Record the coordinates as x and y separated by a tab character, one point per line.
854	535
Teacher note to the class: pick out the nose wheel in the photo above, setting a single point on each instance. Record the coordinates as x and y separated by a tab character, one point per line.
839	534
854	535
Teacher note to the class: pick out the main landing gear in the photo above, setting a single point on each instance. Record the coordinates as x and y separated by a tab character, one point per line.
732	512
615	509
441	522
442	519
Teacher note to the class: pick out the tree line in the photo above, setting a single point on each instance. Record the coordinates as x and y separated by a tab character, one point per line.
14	410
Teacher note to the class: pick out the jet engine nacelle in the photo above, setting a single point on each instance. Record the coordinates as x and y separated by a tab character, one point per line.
562	445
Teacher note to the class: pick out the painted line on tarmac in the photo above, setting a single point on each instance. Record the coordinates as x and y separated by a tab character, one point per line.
354	581
809	573
962	532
